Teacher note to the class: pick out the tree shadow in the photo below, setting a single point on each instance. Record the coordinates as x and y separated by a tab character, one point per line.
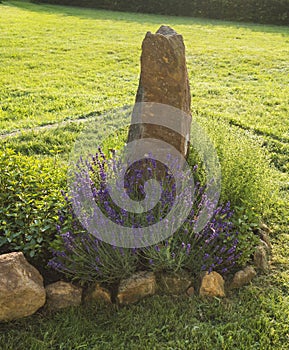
140	18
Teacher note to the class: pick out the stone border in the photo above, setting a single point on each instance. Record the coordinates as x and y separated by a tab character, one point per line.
19	277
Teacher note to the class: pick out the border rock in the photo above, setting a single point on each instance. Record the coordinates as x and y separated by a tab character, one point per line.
173	284
98	294
261	259
61	295
212	285
243	277
137	287
21	287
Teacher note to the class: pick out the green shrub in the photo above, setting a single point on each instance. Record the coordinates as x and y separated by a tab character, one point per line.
247	178
260	11
30	199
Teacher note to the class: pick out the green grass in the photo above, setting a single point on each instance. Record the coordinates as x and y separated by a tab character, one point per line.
245	321
63	64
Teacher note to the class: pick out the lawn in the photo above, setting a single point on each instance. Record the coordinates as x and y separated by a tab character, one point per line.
60	67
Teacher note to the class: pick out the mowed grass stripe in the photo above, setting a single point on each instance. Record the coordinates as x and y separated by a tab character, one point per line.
60	63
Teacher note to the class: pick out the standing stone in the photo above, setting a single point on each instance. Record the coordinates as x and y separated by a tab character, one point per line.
21	287
163	80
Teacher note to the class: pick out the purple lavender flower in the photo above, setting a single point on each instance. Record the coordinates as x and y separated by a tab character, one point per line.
232	250
230	258
121	251
68	240
210	270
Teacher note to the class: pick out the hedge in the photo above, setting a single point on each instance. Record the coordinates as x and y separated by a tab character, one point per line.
259	11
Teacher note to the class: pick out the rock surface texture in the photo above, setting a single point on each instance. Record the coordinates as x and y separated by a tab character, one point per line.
190	291
136	287
163	80
243	277
174	284
261	259
21	287
212	285
61	295
98	294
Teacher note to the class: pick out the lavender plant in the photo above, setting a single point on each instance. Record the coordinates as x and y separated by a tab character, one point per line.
215	248
81	256
84	258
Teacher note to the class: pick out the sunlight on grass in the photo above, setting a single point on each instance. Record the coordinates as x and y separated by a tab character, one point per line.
60	64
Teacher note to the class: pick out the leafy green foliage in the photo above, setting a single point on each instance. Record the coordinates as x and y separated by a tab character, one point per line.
30	199
247	178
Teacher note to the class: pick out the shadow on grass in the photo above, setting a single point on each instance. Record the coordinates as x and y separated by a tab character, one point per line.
93	13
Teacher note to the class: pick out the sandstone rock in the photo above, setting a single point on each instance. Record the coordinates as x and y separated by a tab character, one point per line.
98	294
265	228
174	284
136	287
190	291
21	287
265	238
61	295
163	80
260	259
243	277
212	285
